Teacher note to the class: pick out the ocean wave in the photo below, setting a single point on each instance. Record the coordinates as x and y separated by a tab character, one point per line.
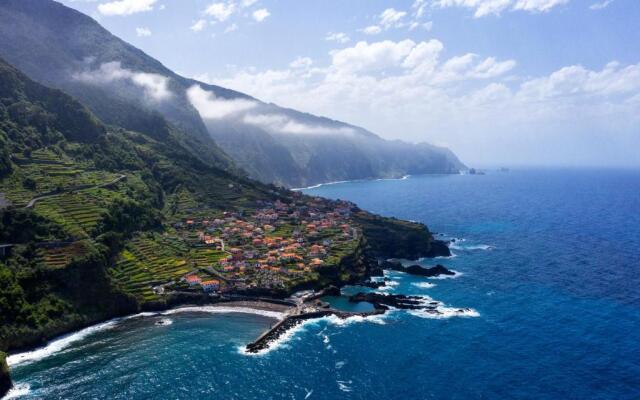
445	312
456	246
438	310
164	322
319	185
457	274
282	340
59	344
344	386
224	310
423	285
19	390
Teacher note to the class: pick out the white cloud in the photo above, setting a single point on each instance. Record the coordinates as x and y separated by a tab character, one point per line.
427	26
372	30
126	7
198	25
410	90
391	18
374	56
221	11
538	5
155	86
283	124
211	107
231	28
339	37
261	14
496	7
248	3
600	5
301	62
143	32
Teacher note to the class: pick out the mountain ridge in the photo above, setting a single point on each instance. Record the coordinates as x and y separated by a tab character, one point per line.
116	80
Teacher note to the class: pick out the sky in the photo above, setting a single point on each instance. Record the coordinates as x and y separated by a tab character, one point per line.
500	82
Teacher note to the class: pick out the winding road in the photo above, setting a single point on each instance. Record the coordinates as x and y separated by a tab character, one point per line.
33	201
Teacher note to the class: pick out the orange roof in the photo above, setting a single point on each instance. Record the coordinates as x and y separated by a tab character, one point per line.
211	282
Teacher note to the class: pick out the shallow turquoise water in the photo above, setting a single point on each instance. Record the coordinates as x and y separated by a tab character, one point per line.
550	261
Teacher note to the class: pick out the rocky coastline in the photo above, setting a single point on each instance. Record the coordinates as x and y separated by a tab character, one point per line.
356	268
5	377
418	270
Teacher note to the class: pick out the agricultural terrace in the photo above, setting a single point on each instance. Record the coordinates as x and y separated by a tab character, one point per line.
44	171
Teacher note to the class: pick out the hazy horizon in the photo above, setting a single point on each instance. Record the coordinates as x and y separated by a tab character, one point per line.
535	82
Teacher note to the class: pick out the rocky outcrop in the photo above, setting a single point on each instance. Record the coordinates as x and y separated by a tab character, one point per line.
417	269
383	301
394	238
5	378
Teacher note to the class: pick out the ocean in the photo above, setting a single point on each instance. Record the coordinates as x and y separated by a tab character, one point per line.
549	267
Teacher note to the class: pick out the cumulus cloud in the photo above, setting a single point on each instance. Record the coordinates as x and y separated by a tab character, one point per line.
220	11
475	103
261	14
279	123
372	30
301	62
155	86
198	25
391	18
143	32
211	107
339	37
484	8
600	5
126	7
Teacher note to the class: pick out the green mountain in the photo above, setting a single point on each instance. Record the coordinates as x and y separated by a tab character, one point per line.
63	48
98	221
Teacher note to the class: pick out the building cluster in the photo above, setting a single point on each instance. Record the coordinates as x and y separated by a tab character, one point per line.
275	244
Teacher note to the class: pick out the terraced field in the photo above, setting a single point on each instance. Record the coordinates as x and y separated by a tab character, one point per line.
78	213
147	262
47	171
59	257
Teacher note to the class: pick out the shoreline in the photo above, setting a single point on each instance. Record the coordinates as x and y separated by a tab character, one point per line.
62	342
317	185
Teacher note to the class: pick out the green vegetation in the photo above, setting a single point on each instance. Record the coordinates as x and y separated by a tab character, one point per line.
109	232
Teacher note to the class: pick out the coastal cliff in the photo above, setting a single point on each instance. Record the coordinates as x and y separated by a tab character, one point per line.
5	378
394	238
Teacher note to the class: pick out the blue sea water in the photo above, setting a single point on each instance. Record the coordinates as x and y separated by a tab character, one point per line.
549	261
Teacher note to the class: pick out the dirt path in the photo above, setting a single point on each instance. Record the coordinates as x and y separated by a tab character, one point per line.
33	201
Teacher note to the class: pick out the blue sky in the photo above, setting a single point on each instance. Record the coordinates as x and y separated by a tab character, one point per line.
499	81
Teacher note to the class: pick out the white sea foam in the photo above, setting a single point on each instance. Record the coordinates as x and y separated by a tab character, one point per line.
224	310
445	312
63	342
337	321
19	390
340	364
456	246
423	285
319	185
441	311
59	344
344	386
164	322
282	340
456	275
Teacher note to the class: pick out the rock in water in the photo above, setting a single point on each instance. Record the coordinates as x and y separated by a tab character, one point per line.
417	269
429	272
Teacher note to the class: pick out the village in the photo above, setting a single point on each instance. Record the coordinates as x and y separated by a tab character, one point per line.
275	246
